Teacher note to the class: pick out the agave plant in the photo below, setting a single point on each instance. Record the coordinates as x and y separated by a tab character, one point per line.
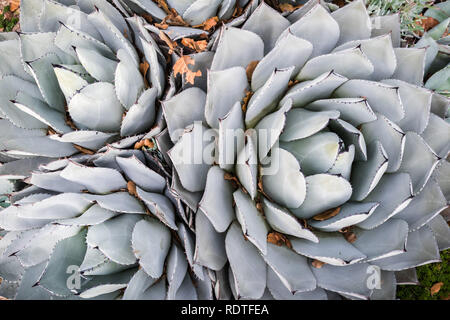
340	168
71	81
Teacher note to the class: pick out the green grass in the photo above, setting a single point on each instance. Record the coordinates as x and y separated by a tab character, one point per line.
427	276
8	20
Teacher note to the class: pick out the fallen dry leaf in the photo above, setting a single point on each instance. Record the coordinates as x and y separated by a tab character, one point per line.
292	83
83	150
327	214
246	99
131	187
149	144
234	180
251	68
139	145
182	67
143	68
238	10
287	7
163	5
350	236
14	5
278	239
147	17
436	287
259	207
162	25
50	131
198	46
175	19
208	24
427	23
317	264
168	41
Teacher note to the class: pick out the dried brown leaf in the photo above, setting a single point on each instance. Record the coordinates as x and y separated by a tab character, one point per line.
246	99
171	44
147	17
143	68
435	288
208	24
198	46
250	68
292	83
229	177
14	5
287	7
238	10
50	131
139	145
350	236
327	214
427	23
131	188
162	25
83	150
149	144
175	19
163	5
317	264
182	67
278	239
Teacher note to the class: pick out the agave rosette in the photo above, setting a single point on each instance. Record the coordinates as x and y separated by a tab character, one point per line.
359	148
71	81
78	226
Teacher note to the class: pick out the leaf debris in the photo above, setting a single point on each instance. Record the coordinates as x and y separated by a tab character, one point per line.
182	67
246	99
278	239
198	46
287	7
171	44
131	188
208	24
251	68
317	263
82	149
327	214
